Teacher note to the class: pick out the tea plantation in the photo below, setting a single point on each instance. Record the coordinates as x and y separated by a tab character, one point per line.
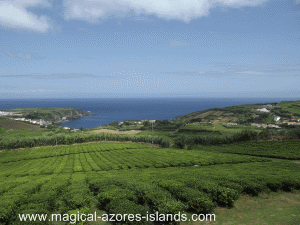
276	149
130	178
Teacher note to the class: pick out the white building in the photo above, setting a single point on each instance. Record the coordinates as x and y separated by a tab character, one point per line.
263	110
22	119
277	118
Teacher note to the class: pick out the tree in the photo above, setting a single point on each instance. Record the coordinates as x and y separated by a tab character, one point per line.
146	123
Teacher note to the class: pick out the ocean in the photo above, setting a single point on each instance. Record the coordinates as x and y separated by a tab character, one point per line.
113	109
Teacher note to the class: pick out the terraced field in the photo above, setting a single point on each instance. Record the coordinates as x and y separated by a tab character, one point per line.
126	178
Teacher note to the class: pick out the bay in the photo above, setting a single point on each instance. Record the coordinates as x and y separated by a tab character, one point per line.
121	109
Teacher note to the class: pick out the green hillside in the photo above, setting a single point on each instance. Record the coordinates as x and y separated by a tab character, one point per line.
9	124
48	114
242	114
288	109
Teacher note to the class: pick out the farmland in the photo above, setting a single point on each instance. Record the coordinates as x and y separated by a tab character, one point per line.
242	114
9	124
279	149
195	167
288	109
133	178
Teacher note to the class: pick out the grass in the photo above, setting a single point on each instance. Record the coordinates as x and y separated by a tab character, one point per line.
293	107
114	131
155	133
276	208
2	129
215	127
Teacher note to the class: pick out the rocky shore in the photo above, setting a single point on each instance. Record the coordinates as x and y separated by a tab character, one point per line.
75	116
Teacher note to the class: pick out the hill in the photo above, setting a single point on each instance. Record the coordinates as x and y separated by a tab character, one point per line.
9	124
56	114
242	114
287	109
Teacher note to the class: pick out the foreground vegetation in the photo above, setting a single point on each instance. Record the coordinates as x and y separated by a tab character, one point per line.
132	178
278	208
203	167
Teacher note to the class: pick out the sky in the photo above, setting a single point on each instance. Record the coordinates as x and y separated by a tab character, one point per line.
149	48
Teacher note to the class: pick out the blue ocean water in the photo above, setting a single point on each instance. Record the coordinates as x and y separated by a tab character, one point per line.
110	110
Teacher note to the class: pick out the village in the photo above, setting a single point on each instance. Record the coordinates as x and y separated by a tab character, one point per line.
277	119
137	122
40	122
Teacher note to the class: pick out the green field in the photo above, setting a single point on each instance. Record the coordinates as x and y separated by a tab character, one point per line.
288	109
2	129
216	127
128	178
279	149
10	124
197	171
156	133
242	114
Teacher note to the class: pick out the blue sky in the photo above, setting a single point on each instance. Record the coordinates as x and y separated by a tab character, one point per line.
161	48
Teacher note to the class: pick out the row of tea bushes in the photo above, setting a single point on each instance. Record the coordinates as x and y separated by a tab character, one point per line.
66	139
277	149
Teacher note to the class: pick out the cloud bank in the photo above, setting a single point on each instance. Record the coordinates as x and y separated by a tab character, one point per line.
25	56
92	10
15	15
55	76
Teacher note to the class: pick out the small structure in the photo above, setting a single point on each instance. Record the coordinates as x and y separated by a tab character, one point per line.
21	119
277	118
268	106
263	110
232	124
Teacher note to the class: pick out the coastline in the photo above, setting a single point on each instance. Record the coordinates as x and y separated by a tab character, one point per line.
70	118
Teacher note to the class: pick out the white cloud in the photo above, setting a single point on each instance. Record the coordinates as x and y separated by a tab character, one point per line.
56	76
253	73
25	56
92	10
38	90
186	73
15	15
